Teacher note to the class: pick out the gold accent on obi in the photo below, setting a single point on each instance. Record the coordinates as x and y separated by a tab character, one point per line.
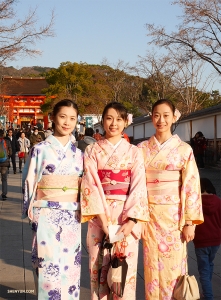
62	188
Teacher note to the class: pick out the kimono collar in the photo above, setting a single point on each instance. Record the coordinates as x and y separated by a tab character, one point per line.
160	146
156	145
52	140
116	145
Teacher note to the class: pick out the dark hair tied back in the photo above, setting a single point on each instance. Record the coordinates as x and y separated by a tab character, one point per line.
62	103
119	107
164	101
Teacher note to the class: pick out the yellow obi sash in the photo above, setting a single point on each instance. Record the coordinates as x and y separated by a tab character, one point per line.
161	182
62	188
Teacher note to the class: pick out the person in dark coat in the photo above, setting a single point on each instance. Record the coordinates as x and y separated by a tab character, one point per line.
15	148
199	143
4	165
87	139
207	238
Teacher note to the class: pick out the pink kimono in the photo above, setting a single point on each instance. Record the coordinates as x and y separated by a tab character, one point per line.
174	196
113	183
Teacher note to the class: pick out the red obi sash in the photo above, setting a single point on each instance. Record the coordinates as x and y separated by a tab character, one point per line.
115	182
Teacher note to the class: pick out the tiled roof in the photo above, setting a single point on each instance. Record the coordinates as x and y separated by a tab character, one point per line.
16	86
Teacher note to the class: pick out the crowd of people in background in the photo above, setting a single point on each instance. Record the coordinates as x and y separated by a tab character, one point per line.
17	141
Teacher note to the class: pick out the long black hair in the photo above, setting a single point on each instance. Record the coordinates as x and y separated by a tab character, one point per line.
207	186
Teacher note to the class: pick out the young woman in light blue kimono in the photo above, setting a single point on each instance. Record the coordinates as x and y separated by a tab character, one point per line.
52	204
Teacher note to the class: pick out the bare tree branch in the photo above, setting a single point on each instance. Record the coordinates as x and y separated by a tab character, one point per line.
200	31
19	36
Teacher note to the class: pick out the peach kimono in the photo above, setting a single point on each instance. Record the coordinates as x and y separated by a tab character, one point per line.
174	196
113	183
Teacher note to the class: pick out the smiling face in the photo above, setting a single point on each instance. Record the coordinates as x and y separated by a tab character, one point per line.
163	118
65	121
113	124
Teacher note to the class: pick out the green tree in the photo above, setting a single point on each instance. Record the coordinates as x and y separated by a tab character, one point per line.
70	80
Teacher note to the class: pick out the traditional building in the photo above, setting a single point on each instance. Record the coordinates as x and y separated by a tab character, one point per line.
21	98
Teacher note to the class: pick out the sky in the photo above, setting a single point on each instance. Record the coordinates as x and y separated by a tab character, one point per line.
91	31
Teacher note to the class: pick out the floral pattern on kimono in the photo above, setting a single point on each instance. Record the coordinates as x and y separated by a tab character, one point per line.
56	247
103	156
171	202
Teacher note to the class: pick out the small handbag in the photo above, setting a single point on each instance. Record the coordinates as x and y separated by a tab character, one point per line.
21	154
117	273
186	288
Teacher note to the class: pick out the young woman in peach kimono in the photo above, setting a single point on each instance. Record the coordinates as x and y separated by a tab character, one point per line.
174	203
113	192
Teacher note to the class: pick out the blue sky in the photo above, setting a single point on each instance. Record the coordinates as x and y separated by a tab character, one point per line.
92	30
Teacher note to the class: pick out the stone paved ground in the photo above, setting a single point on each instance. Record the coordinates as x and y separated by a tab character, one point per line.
16	274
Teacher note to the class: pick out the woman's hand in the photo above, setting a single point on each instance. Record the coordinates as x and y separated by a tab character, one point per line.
188	233
144	231
126	228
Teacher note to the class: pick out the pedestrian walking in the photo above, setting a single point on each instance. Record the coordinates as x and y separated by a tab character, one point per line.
51	187
15	148
97	136
175	206
199	144
24	146
35	137
113	193
87	140
207	238
5	153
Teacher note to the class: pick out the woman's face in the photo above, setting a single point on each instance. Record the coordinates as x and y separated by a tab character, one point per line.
22	135
163	118
113	123
65	121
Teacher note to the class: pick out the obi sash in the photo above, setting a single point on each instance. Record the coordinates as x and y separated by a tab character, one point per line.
115	182
57	188
61	188
161	182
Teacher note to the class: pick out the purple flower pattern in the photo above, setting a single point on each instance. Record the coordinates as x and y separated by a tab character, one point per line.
54	204
55	222
78	259
71	289
51	168
54	294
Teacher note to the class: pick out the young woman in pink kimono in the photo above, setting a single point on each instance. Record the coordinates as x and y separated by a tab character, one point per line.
113	192
51	203
174	203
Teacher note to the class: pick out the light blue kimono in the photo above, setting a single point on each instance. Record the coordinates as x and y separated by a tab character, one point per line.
56	248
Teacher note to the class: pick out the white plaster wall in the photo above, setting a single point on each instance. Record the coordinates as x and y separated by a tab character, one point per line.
218	123
205	125
138	131
149	129
183	131
129	130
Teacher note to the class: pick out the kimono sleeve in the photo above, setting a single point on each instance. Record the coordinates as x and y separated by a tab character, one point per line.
29	180
93	201
136	205
190	192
